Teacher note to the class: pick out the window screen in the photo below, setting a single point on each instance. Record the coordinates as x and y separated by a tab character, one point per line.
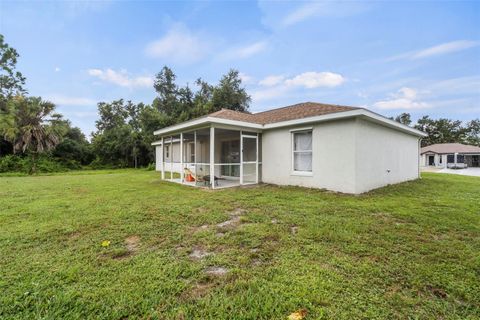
302	151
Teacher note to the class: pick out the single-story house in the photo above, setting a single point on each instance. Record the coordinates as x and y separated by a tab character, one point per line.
344	149
450	155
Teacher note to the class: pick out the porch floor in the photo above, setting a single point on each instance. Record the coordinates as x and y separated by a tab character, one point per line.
220	184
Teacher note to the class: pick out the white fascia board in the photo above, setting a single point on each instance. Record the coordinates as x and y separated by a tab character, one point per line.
156	143
326	117
237	123
347	114
180	126
392	123
207	120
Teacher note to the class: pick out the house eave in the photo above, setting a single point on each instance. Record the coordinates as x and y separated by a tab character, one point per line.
207	121
345	115
368	115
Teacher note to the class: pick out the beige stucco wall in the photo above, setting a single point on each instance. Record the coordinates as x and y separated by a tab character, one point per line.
384	156
351	156
333	164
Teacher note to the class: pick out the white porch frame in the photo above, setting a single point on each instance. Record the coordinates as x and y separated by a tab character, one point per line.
211	163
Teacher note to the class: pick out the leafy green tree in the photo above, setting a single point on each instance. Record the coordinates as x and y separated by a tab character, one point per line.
74	147
119	139
230	94
11	80
473	132
11	84
31	126
441	130
180	104
403	118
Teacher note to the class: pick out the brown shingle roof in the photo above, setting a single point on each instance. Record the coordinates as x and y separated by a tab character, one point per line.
234	115
296	111
450	148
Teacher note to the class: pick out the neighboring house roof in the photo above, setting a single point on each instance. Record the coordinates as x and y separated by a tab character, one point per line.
450	148
301	113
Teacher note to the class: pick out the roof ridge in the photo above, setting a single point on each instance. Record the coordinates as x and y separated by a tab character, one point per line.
306	103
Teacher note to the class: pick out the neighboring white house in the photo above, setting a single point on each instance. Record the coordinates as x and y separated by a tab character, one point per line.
450	155
339	148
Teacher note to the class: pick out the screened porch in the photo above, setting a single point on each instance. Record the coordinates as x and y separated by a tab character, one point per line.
211	157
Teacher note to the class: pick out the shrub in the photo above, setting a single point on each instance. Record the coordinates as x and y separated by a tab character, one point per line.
45	163
10	163
150	167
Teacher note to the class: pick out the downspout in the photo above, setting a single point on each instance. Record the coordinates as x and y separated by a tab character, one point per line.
419	157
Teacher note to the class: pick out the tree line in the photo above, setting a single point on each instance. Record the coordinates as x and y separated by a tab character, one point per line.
444	130
34	137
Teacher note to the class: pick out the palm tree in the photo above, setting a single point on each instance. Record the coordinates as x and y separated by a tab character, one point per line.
26	125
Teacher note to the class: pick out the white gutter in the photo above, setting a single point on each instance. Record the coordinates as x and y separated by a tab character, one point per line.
326	117
348	114
206	120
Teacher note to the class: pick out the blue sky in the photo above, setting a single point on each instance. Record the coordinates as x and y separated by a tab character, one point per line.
391	57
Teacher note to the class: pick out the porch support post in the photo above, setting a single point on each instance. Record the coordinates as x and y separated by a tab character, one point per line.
181	157
256	164
163	159
241	158
171	157
195	148
212	157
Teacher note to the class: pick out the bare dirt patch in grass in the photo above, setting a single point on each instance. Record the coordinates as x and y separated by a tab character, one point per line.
198	291
233	222
216	271
74	235
201	228
294	230
199	253
437	292
132	243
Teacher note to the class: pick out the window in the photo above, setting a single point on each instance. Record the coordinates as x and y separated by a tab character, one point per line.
450	158
302	151
167	152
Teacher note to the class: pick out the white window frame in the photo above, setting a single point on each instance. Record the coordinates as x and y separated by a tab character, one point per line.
292	134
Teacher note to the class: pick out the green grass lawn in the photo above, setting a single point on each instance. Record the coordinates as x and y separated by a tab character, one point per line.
405	251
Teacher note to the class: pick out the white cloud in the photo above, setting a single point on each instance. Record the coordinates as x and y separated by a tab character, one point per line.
271	81
57	69
445	48
269	93
179	44
246	79
246	51
121	78
316	79
70	101
437	50
302	13
405	99
279	85
323	8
